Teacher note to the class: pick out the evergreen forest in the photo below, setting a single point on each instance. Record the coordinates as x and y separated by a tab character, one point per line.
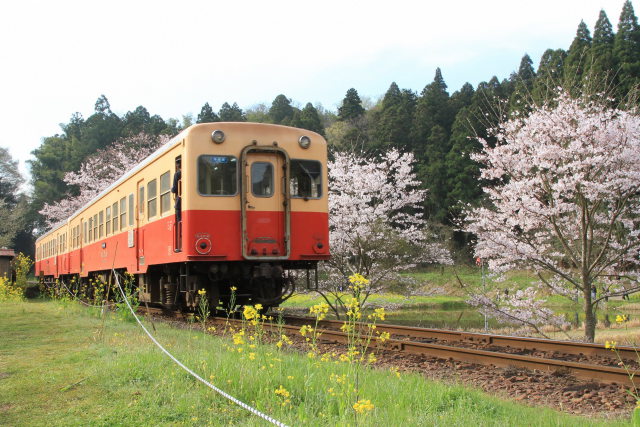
437	125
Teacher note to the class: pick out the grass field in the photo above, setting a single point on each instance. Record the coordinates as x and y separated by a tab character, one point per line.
62	364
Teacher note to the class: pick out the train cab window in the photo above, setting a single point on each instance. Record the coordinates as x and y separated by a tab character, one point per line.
123	213
101	226
262	179
132	209
152	194
114	208
165	196
108	221
217	175
306	178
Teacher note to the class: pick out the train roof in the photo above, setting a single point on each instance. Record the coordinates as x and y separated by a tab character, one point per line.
159	152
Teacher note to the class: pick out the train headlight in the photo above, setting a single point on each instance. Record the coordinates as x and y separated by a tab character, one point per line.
304	141
217	136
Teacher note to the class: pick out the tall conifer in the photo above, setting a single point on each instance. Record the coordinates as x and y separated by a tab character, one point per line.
393	122
432	108
627	49
351	108
207	115
575	65
602	68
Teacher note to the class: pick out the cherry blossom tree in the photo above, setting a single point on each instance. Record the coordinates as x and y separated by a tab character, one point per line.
99	171
563	201
376	223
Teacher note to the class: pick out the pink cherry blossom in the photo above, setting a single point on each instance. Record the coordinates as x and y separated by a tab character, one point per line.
562	200
376	223
99	171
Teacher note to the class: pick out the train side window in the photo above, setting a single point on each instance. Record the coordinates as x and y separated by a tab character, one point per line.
132	209
141	201
152	195
306	178
165	195
91	229
95	227
101	228
217	175
123	213
114	208
108	221
262	179
86	234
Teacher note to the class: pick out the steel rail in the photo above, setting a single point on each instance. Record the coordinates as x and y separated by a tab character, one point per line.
524	343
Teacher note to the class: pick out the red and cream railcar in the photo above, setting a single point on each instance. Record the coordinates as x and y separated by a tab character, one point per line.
252	209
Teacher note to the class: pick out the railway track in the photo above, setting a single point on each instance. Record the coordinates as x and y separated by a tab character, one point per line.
445	344
480	339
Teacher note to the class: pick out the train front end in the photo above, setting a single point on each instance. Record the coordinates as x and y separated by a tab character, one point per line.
253	210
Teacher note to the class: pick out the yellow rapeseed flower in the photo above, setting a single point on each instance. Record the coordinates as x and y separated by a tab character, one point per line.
610	345
202	292
362	406
621	319
281	391
249	312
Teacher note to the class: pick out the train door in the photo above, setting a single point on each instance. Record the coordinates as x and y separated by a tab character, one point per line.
139	221
265	203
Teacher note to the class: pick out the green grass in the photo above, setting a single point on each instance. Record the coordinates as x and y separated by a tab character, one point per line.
306	300
60	364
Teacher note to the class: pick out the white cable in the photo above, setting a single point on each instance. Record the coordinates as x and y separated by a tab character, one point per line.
76	297
199	378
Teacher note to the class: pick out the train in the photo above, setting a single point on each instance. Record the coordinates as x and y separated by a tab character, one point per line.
232	208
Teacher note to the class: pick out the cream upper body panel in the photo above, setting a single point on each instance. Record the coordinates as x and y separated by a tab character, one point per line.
238	136
190	144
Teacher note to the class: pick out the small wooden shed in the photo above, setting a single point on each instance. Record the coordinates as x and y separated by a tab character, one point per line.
6	265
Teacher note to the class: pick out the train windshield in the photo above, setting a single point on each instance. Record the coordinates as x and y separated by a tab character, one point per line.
306	178
217	175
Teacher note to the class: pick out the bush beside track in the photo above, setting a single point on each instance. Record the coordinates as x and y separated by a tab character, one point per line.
64	365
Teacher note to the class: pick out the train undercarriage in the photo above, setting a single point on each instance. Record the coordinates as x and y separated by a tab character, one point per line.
180	285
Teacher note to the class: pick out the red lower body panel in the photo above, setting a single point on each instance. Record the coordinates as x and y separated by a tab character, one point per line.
206	235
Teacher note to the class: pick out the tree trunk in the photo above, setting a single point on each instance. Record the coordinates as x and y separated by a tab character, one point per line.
589	316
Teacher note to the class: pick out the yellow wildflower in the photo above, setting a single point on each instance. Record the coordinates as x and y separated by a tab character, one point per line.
362	406
249	312
281	391
258	307
621	319
610	345
202	292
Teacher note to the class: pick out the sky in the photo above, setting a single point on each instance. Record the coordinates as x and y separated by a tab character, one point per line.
58	57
